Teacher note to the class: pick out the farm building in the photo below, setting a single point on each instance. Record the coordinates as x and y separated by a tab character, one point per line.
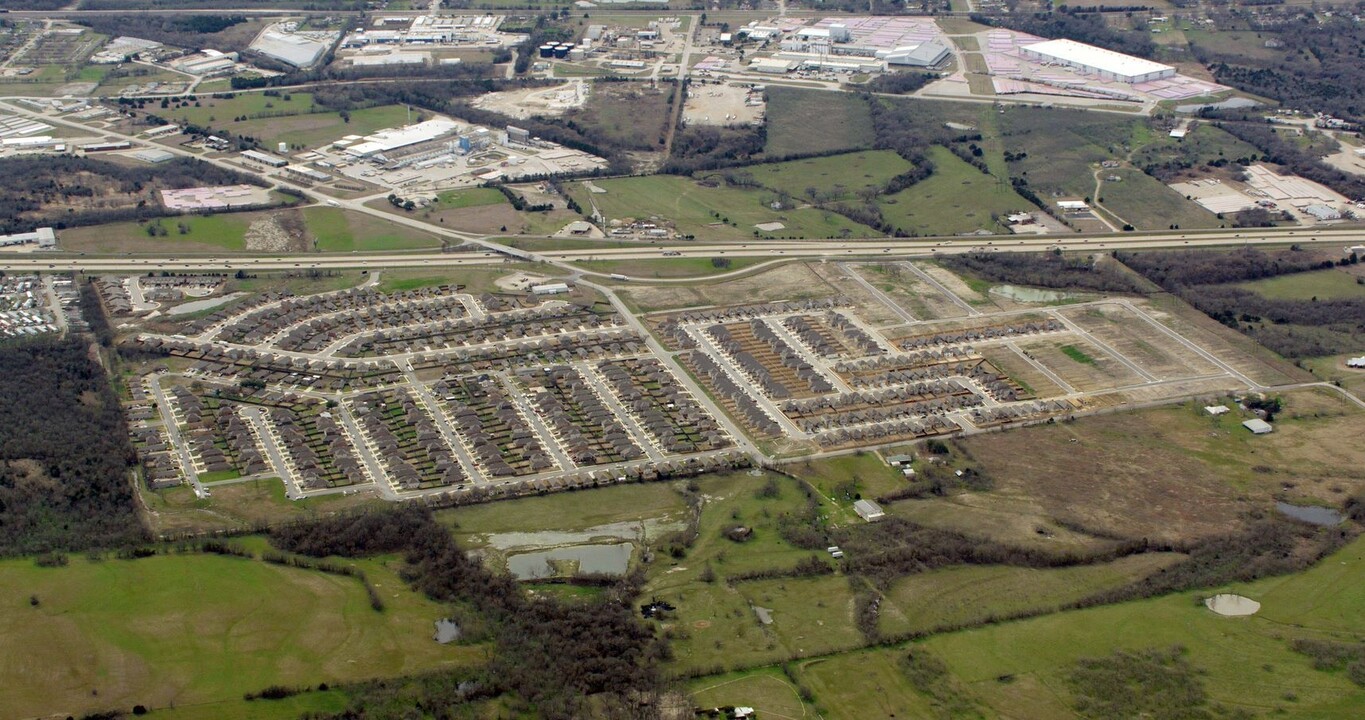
1107	64
1216	410
1258	426
899	460
868	510
1356	362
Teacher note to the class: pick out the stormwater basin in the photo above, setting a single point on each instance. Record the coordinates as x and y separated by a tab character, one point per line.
1028	294
591	559
1311	514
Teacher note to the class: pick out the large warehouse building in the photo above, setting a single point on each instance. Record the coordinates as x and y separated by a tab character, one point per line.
1107	64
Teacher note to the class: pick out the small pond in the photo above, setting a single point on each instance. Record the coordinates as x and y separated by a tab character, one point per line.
1311	514
446	631
597	559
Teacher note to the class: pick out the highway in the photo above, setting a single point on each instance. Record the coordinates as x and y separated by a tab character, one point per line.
782	249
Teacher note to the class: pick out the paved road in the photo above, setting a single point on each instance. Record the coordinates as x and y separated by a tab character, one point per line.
255	415
163	405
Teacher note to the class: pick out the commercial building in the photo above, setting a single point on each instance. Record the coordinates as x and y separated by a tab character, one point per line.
298	50
44	238
1106	64
550	289
775	66
307	174
266	159
926	54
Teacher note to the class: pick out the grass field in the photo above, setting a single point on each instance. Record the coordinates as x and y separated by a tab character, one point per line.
1247	662
297	121
808	121
239	506
1019	669
953	596
1061	145
956	199
1320	284
564	511
1147	204
835	176
191	629
634	115
710	213
207	233
336	230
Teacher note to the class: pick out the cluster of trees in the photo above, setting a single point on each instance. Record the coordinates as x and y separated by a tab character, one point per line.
65	457
171	5
899	83
559	658
1044	270
35	4
702	148
187	31
1316	71
38	189
1174	270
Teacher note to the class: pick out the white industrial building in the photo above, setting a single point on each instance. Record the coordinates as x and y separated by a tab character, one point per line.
44	238
297	49
393	139
1106	64
550	289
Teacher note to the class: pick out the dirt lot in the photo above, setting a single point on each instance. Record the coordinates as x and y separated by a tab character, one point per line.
719	105
1148	347
787	282
536	102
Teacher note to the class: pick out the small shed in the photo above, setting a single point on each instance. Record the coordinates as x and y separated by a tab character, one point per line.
868	510
1258	426
1216	410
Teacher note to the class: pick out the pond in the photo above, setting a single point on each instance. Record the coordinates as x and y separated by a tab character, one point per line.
1028	294
1311	514
446	631
596	559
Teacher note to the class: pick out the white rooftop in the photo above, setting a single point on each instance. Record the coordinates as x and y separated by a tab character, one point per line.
1095	57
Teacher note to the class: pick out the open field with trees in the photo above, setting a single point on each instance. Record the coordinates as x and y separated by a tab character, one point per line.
714	212
956	199
203	629
802	122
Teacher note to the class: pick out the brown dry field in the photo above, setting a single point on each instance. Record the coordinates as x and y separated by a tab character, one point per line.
1105	373
1008	362
1169	473
908	290
796	281
964	323
868	307
1130	335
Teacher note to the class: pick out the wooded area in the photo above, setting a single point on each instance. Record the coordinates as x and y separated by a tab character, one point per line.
563	660
65	457
64	191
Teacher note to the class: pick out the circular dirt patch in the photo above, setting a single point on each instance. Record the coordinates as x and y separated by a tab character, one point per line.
701	624
1232	605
